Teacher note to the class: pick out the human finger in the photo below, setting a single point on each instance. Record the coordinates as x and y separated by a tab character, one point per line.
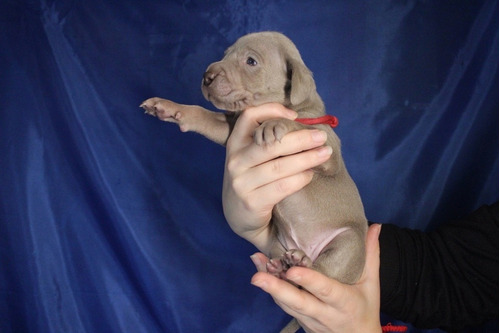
294	301
285	166
372	265
265	197
291	144
260	260
370	278
321	286
256	205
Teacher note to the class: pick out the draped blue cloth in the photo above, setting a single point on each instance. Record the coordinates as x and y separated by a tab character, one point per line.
111	221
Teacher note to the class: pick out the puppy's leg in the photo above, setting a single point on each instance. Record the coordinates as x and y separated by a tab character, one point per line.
343	259
212	125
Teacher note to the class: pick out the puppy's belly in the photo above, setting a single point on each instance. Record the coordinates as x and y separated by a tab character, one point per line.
314	245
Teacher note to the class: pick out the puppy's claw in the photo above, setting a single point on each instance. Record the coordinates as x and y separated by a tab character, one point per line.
274	266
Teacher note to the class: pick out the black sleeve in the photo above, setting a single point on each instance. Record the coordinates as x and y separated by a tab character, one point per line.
445	279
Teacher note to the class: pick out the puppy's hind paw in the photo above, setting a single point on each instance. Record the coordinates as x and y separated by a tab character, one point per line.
297	258
279	266
275	267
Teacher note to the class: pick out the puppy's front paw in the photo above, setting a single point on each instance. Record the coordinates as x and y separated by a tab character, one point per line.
271	131
163	109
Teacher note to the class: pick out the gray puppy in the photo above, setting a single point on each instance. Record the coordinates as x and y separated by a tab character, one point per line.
322	226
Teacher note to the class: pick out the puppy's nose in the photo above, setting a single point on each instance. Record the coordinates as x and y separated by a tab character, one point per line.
208	77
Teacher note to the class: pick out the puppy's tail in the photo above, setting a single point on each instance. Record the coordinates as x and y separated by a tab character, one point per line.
292	327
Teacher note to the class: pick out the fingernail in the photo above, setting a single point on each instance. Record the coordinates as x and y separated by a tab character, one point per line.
292	114
325	151
259	283
257	263
318	136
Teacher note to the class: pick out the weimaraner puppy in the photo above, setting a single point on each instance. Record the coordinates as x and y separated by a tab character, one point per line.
322	226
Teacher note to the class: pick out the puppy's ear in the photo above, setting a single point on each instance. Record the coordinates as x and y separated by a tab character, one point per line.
300	83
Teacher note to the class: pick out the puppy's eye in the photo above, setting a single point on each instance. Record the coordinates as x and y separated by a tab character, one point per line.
251	61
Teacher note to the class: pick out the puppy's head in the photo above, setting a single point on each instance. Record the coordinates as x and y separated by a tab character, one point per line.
259	68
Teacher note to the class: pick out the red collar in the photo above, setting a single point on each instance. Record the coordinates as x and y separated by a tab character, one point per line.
327	120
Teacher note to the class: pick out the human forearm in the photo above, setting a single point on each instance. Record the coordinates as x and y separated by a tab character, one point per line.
458	261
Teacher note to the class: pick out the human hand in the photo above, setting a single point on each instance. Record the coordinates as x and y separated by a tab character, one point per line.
257	177
326	305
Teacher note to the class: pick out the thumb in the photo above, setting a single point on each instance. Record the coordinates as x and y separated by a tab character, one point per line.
372	265
260	261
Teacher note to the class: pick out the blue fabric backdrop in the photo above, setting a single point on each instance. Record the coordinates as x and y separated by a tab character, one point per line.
111	221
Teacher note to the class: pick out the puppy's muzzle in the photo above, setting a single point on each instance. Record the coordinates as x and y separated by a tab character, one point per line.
208	78
215	83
